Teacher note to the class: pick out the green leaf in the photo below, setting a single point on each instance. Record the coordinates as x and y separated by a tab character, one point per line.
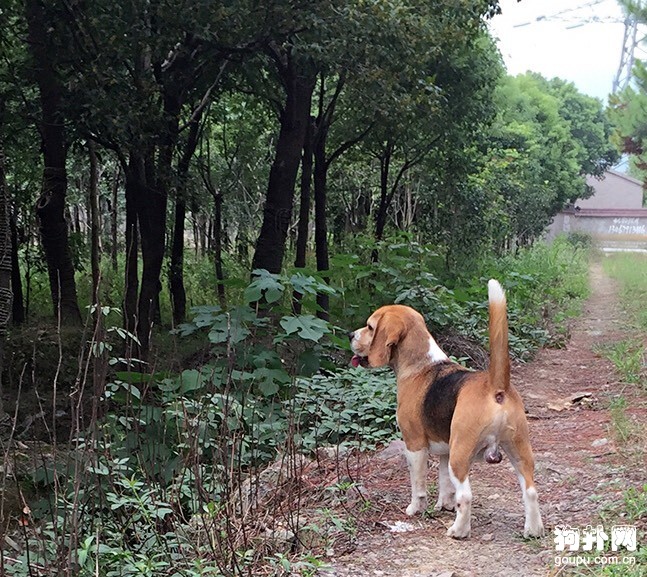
268	388
190	380
266	285
308	327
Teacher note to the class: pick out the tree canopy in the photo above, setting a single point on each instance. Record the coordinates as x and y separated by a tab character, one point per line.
211	127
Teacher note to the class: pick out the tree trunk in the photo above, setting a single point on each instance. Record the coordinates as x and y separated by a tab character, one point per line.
279	200
176	280
304	211
95	230
18	310
380	217
151	213
6	293
217	237
50	207
176	269
134	173
113	223
321	228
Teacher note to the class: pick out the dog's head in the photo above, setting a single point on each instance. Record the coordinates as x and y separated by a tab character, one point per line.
376	344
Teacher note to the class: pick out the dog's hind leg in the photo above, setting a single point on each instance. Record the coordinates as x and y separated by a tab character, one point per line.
460	460
520	454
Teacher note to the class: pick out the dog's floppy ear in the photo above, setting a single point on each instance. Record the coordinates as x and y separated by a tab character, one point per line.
388	333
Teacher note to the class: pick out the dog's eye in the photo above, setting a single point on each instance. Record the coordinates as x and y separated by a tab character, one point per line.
369	327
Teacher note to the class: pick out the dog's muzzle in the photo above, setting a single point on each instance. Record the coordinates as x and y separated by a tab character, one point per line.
356	360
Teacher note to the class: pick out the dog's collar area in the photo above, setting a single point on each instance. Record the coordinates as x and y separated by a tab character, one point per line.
446	361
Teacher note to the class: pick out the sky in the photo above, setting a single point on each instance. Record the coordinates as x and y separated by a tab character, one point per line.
578	40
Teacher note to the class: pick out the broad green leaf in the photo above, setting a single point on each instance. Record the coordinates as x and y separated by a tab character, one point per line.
308	327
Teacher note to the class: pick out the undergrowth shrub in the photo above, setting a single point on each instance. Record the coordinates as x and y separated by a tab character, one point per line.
543	283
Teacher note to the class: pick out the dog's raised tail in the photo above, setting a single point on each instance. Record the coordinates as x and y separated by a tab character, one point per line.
499	354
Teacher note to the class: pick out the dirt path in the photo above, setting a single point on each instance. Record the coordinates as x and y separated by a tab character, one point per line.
578	471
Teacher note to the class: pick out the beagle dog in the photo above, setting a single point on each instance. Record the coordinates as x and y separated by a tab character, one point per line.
457	414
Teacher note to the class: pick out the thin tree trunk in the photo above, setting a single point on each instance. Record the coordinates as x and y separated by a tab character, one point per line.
176	270
217	228
176	280
95	230
18	309
131	283
217	237
6	294
113	223
380	217
304	211
321	227
279	200
50	207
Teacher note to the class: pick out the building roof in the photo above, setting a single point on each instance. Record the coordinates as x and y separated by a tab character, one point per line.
622	175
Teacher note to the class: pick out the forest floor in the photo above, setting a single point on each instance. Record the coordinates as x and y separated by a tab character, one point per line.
583	469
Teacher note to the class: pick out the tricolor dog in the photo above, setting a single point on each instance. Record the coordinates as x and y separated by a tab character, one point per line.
450	411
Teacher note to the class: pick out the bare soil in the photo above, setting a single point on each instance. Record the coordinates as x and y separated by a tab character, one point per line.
581	470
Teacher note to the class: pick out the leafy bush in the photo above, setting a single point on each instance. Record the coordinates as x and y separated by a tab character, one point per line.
580	239
544	283
352	407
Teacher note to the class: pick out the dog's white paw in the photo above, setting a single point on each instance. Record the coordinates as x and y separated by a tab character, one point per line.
417	504
534	529
445	503
459	531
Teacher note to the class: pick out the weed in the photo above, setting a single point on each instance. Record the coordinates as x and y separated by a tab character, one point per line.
625	430
635	501
628	359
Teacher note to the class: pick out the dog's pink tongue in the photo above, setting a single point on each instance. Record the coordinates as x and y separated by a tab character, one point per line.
355	360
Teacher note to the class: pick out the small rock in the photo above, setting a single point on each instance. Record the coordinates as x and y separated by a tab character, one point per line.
559	406
400	527
495	496
599	442
577	397
393	449
333	453
446	574
487	537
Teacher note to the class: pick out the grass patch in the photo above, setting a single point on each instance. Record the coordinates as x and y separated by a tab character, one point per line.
631	271
628	357
627	432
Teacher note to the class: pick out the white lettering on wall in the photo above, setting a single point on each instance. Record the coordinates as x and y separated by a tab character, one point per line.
627	228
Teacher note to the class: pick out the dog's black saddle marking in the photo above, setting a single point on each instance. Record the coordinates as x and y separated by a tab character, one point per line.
440	400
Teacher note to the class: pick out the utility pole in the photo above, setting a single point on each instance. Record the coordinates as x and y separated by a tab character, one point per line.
624	74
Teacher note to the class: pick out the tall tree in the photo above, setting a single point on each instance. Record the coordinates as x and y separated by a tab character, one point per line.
50	206
297	74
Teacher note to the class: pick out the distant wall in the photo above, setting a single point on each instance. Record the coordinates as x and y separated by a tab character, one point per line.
611	229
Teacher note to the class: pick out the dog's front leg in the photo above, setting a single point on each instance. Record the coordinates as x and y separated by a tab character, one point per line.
446	494
417	461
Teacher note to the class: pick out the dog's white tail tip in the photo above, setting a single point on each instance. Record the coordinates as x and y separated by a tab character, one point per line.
495	291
